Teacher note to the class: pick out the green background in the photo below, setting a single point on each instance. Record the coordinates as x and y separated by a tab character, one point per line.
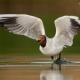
48	11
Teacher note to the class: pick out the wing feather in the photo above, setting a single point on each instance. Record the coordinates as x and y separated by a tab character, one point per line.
66	28
26	25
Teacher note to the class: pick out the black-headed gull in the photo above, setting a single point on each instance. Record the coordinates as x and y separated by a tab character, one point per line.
32	27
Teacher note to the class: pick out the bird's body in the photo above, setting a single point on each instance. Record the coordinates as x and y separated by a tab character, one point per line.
32	27
53	47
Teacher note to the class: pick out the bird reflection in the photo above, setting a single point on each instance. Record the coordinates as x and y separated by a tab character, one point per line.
53	74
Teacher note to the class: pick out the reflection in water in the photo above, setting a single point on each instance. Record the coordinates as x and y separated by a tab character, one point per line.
53	74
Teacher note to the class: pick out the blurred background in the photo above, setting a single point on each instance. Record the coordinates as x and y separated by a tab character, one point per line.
48	11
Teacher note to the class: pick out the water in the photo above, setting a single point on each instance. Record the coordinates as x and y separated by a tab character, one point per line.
10	71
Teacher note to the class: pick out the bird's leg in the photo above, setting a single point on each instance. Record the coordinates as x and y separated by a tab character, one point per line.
52	58
59	56
58	60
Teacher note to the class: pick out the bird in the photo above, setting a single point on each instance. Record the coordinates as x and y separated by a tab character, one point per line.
67	27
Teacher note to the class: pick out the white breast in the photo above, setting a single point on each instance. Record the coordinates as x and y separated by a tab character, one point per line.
52	47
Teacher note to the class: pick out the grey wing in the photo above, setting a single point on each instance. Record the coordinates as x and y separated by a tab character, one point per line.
66	28
26	25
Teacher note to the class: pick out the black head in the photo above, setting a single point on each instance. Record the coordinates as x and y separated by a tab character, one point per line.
42	40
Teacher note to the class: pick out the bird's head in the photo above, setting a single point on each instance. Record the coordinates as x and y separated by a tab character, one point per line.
42	40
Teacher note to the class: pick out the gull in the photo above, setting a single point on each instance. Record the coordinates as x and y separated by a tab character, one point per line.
30	26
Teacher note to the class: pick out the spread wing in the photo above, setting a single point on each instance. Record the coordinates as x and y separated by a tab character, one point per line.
66	28
22	24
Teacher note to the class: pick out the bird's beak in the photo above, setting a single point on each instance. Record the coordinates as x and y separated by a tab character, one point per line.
38	40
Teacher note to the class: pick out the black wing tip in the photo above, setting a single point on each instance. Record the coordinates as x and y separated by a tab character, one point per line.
75	24
7	20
